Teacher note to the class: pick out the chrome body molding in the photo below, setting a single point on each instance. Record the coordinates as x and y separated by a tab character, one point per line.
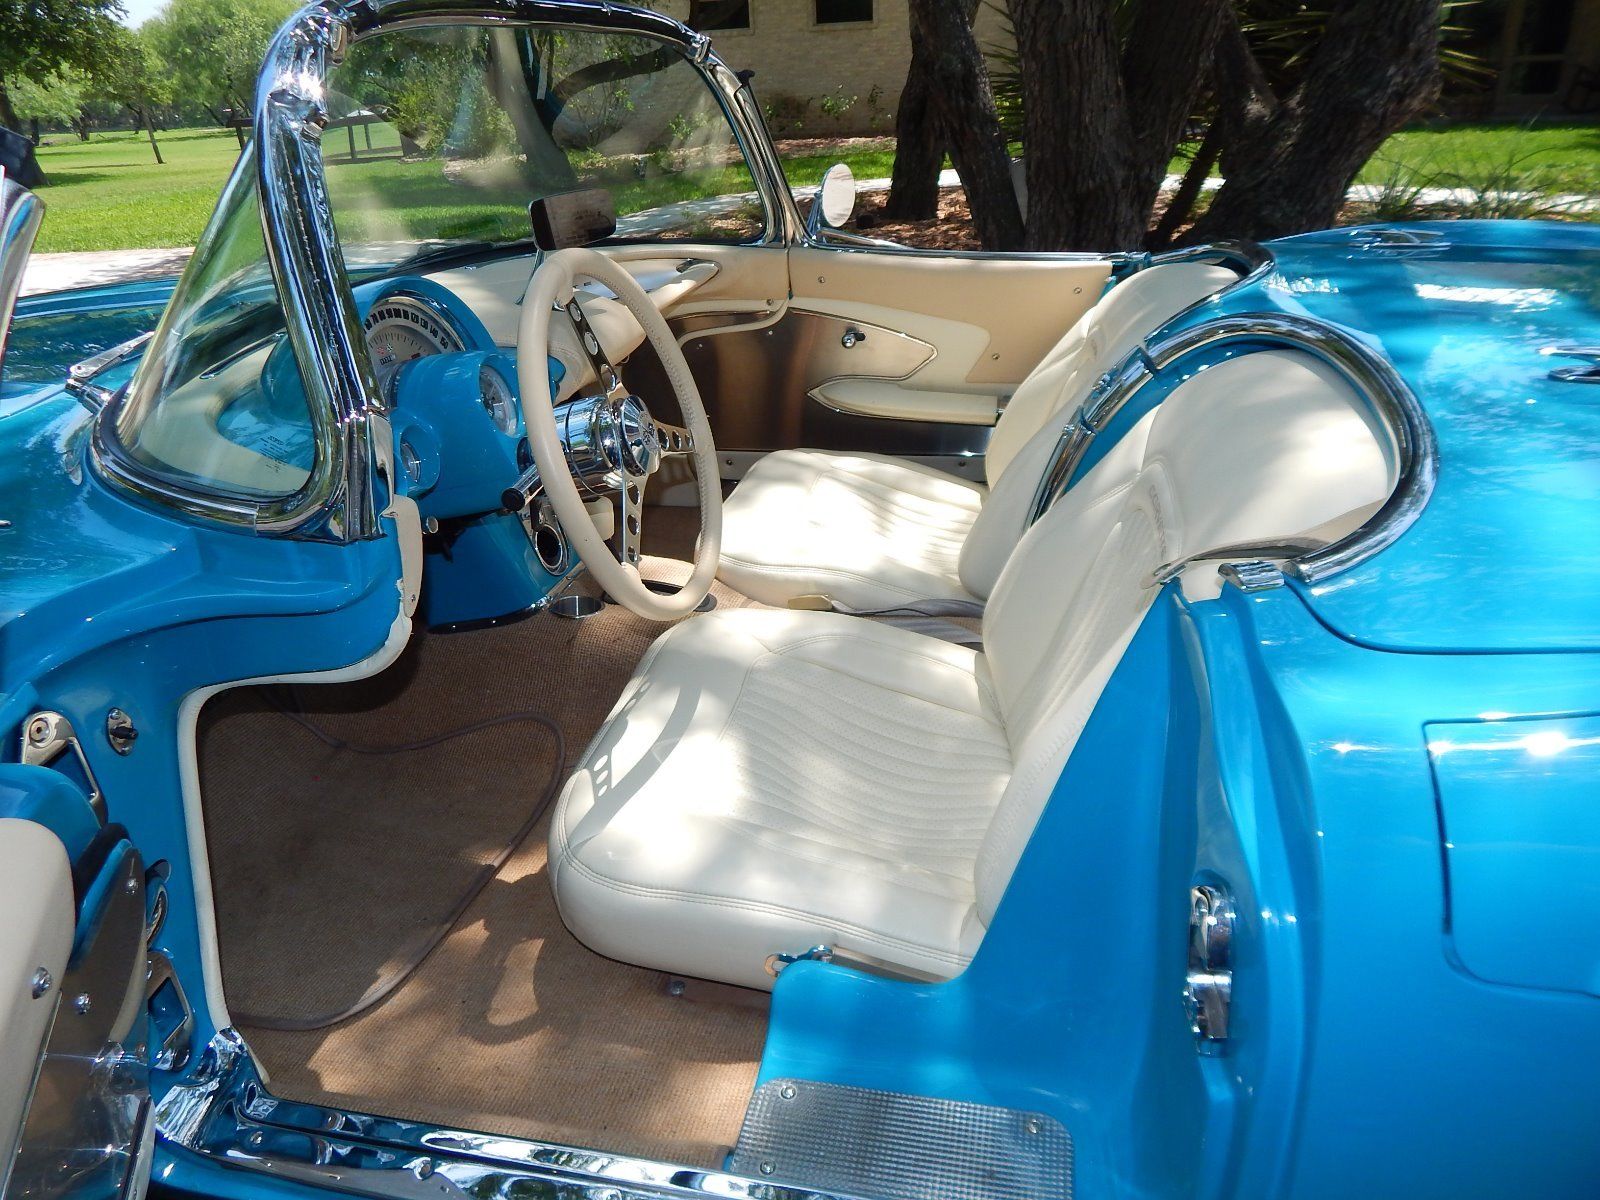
1208	983
1251	259
20	214
1397	410
224	1113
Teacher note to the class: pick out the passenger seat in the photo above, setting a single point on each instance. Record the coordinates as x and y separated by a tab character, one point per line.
871	532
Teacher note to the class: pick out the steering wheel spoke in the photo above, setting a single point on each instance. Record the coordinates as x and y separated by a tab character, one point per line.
673	440
612	439
606	375
631	533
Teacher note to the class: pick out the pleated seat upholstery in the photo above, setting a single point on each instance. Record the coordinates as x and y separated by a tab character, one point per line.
771	780
871	532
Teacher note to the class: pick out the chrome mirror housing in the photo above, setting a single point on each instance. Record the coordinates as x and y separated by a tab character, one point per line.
835	201
20	214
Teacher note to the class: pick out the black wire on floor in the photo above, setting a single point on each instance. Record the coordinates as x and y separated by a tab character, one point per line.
386	986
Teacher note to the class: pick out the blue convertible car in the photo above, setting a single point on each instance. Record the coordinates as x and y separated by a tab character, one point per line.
543	667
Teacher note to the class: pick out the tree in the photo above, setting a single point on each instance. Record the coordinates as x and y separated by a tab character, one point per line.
56	97
1291	159
920	142
1299	98
961	102
141	82
40	37
216	47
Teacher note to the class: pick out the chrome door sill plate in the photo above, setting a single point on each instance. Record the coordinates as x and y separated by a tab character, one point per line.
890	1146
224	1112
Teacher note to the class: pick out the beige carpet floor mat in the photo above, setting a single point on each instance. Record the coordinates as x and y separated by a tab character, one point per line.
329	864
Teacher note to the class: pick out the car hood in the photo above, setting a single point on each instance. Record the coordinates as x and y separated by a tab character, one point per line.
1506	555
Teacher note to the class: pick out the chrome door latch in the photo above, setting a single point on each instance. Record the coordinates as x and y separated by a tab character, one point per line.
1588	373
1208	992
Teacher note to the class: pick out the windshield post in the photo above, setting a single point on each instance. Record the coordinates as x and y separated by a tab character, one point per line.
308	266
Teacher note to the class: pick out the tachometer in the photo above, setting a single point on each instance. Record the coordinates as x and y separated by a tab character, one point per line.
401	329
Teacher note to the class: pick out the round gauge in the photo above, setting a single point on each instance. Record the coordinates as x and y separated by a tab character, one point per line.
401	329
498	401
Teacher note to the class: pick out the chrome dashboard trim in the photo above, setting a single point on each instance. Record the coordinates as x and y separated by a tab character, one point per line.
1392	402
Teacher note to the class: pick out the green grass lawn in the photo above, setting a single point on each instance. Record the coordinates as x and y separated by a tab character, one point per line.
109	194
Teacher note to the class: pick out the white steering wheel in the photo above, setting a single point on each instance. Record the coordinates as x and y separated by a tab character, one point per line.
620	441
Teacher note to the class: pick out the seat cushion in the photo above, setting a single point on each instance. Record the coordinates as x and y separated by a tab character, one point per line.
772	780
866	530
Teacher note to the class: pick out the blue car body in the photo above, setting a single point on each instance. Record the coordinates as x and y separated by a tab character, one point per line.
1394	772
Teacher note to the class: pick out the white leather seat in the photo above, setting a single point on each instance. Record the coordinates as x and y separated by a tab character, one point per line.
872	532
772	780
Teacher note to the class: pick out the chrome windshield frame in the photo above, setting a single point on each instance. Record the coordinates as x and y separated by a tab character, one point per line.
20	214
342	500
1392	403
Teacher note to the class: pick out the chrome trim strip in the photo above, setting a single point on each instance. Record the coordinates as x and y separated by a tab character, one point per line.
20	214
224	1113
1392	402
308	265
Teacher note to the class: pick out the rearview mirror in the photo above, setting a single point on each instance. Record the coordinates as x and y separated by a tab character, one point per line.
835	201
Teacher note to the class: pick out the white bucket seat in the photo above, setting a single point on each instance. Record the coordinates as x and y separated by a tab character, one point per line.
772	780
872	532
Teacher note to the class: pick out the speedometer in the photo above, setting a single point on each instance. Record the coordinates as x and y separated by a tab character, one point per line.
401	329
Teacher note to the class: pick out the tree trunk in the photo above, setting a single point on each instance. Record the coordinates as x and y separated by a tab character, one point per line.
8	114
150	128
964	107
1375	67
33	130
918	147
1164	69
919	143
1194	179
1077	138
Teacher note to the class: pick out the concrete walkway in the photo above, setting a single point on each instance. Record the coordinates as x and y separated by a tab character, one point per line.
54	272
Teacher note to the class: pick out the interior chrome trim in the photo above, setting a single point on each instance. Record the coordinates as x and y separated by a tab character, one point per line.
224	1112
1372	377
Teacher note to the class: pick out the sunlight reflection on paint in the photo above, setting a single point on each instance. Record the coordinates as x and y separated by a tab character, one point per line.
1521	299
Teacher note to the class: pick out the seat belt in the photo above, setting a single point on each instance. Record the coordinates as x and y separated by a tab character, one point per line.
928	617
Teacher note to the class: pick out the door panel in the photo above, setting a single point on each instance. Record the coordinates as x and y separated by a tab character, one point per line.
992	319
835	368
75	1110
35	938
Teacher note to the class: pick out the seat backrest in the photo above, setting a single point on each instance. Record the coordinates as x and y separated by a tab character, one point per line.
1268	446
1025	436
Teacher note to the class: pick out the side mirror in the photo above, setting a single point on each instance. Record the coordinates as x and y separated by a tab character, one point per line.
835	201
20	214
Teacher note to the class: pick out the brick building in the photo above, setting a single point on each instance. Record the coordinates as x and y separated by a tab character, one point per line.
822	67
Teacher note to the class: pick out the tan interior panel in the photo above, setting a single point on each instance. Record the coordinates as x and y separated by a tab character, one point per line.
1014	309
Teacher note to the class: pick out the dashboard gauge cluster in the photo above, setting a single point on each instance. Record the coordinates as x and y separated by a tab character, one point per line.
402	329
498	401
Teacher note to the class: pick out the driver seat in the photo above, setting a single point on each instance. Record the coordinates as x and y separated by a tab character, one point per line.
871	532
772	780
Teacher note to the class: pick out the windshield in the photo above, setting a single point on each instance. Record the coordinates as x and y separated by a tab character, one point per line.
439	139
